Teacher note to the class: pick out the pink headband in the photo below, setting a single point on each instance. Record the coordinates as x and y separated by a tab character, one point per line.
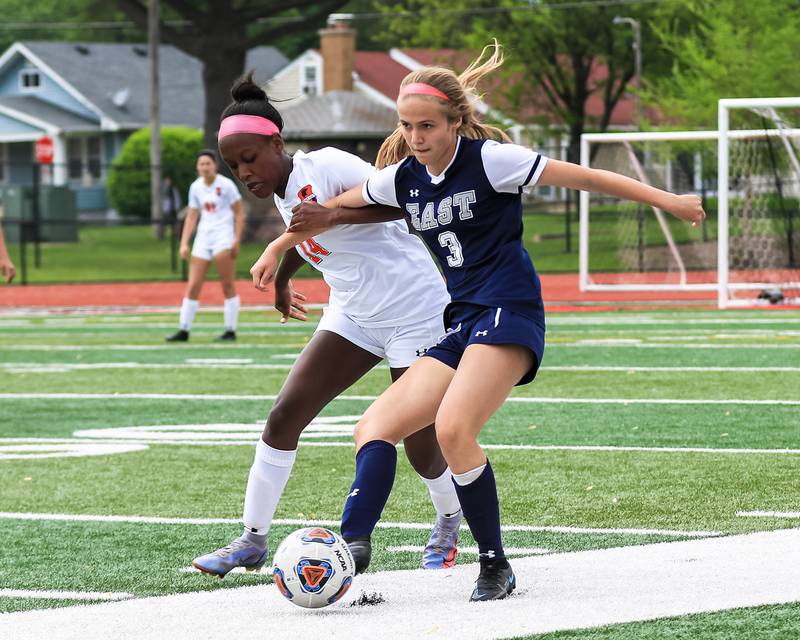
247	124
422	88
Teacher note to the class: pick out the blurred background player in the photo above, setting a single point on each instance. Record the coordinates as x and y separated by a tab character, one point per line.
386	301
7	268
462	192
216	201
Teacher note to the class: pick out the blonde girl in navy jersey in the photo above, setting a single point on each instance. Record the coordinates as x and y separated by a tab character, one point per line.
459	182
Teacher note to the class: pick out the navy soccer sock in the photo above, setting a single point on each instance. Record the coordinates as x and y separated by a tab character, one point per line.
482	511
375	467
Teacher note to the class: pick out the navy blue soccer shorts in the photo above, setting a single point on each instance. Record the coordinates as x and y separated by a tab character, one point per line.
471	324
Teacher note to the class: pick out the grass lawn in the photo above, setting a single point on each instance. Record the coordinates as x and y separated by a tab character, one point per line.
131	253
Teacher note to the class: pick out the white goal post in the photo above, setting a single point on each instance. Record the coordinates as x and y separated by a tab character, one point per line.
747	172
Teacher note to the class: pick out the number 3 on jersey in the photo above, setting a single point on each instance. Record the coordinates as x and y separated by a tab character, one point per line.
448	240
313	251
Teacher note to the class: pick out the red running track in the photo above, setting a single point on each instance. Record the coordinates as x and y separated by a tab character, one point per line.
560	292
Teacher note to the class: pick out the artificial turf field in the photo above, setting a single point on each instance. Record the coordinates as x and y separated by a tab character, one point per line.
641	427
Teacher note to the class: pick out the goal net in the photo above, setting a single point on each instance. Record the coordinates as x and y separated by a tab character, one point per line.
748	176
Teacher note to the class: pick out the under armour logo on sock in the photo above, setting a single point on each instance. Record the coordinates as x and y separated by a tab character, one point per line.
490	555
353	493
481	333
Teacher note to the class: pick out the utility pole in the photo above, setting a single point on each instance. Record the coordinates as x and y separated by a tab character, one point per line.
153	38
637	49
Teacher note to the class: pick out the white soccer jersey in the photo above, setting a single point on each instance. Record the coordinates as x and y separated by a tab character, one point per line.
380	275
214	202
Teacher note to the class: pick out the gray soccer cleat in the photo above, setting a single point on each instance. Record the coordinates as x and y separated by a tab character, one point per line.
239	553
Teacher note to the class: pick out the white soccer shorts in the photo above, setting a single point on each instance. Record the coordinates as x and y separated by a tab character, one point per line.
210	242
400	346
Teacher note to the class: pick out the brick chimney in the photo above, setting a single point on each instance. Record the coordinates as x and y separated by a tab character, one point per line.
338	45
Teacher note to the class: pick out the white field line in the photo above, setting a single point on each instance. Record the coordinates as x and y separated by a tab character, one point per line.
246	439
218	397
509	551
75	449
144	347
591	320
116	334
234	363
587	344
415	526
63	595
555	592
632	344
769	514
583	319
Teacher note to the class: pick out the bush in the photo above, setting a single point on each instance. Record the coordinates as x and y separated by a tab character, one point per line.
129	176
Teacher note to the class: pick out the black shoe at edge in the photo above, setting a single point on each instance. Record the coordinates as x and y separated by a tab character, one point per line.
228	336
361	549
495	581
180	335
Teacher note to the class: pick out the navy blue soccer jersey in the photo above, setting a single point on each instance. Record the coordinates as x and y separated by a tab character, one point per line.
470	216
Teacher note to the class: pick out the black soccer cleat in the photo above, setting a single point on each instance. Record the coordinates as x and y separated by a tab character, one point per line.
361	549
495	581
179	336
228	336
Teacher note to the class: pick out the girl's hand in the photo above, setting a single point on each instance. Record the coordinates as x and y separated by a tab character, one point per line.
263	271
311	218
689	207
184	251
8	270
290	303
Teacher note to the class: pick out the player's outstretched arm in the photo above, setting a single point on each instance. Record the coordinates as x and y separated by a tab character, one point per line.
311	218
572	176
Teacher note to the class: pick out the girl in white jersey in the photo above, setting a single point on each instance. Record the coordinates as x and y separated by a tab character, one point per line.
217	202
386	301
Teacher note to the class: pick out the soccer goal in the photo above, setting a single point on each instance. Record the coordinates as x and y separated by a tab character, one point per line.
747	173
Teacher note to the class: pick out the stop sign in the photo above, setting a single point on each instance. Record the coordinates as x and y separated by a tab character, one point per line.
44	150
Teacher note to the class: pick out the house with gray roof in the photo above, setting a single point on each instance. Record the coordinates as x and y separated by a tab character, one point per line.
88	98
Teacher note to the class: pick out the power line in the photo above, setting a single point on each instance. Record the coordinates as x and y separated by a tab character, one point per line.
533	5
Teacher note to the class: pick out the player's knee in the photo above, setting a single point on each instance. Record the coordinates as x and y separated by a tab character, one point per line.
282	426
448	434
369	428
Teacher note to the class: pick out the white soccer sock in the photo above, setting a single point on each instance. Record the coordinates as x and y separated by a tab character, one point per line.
468	477
268	476
231	313
188	309
443	494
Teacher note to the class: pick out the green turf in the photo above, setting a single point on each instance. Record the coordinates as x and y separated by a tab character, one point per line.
566	487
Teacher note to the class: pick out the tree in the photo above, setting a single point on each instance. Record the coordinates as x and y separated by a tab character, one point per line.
555	54
129	176
732	50
220	32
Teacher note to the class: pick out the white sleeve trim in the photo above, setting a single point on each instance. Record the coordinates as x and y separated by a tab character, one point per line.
379	188
511	167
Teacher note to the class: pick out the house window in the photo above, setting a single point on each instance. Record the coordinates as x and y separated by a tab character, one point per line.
84	159
29	80
75	158
309	80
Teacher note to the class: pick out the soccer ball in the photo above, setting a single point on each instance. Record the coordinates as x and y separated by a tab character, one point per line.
313	567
